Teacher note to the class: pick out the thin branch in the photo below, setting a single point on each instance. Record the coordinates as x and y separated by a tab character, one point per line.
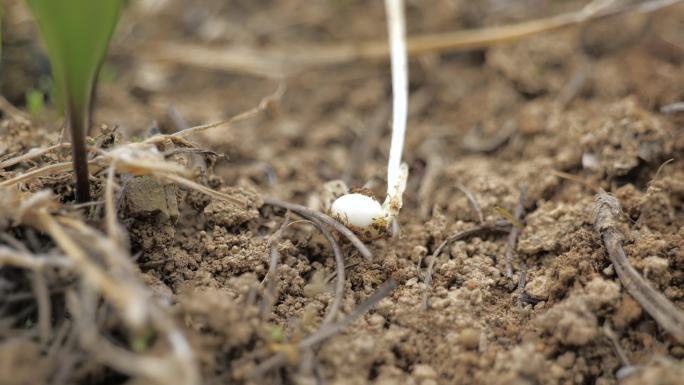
31	154
328	331
272	275
42	294
515	231
201	188
278	62
46	170
124	298
522	281
10	257
309	214
339	269
263	104
607	212
472	200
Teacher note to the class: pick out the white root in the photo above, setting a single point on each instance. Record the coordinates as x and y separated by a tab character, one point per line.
396	25
358	211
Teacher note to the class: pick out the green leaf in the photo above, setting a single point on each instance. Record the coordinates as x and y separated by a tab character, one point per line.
76	33
35	101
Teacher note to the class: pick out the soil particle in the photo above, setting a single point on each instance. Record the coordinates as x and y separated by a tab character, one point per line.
228	214
628	312
538	287
147	198
662	371
539	65
21	358
470	338
573	322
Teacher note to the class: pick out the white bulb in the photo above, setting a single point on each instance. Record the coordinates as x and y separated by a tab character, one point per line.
356	209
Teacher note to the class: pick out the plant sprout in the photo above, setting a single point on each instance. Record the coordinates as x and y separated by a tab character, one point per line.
360	211
76	33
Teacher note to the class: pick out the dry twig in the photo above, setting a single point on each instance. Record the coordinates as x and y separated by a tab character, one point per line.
31	154
327	331
473	201
515	231
607	212
317	215
339	269
272	275
278	62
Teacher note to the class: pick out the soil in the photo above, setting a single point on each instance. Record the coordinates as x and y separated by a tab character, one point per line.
559	115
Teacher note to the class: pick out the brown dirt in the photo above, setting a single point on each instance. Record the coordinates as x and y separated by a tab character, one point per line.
563	139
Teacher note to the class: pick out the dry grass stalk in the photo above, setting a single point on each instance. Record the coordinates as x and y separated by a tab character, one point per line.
278	62
607	212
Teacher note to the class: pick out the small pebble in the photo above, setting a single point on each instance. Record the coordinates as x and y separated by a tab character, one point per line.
470	338
424	371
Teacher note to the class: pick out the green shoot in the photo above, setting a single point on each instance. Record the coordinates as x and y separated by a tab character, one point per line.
76	33
35	101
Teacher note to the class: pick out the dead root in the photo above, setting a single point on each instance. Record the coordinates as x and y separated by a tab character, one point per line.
320	217
104	268
326	331
607	212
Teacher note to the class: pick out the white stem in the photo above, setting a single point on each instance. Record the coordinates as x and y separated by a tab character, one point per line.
396	26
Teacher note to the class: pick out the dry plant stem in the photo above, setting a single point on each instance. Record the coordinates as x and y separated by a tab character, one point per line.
271	283
10	257
47	170
472	200
42	294
158	370
607	212
272	276
276	63
515	231
180	367
39	285
329	330
313	214
31	154
521	283
114	230
433	167
672	108
498	227
201	188
615	341
121	296
339	269
263	104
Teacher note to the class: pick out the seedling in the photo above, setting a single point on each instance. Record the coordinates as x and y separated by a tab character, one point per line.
76	33
360	211
34	101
